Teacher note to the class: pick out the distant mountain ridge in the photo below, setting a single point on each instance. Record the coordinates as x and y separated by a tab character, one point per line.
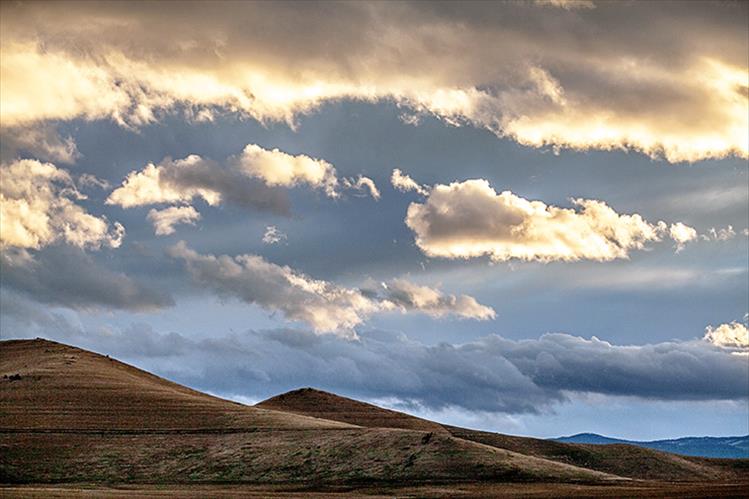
731	447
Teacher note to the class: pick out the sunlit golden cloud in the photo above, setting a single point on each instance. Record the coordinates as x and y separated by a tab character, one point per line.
470	219
164	220
731	335
38	208
276	168
543	76
682	234
250	178
407	296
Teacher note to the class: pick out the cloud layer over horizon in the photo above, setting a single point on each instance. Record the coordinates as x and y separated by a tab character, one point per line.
490	373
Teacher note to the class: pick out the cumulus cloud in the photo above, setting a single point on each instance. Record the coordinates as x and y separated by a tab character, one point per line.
38	208
277	168
184	180
573	79
731	335
273	235
164	220
469	219
403	183
68	277
148	187
682	234
250	179
324	306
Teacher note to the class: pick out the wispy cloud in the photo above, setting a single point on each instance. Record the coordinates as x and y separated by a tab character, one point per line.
403	182
325	306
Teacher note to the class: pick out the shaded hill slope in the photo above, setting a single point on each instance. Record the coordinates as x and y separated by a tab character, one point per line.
69	415
622	460
722	447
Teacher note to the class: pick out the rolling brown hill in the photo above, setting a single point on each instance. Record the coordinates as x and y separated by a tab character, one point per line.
622	460
69	415
67	388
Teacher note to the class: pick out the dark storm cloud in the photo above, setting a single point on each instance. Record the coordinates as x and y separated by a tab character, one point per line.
69	277
668	370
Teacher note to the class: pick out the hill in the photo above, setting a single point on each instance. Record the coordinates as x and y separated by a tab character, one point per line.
722	447
69	415
52	386
621	460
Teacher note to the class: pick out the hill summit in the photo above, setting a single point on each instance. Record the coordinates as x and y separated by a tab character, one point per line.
325	405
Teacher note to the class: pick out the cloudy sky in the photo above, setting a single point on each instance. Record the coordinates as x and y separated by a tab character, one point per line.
527	217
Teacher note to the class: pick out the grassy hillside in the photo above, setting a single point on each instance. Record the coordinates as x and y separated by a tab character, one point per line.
68	415
622	460
48	385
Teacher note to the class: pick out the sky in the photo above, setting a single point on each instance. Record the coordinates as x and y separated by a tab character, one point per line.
524	217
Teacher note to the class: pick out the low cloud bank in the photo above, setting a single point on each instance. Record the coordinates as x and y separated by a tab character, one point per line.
492	373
